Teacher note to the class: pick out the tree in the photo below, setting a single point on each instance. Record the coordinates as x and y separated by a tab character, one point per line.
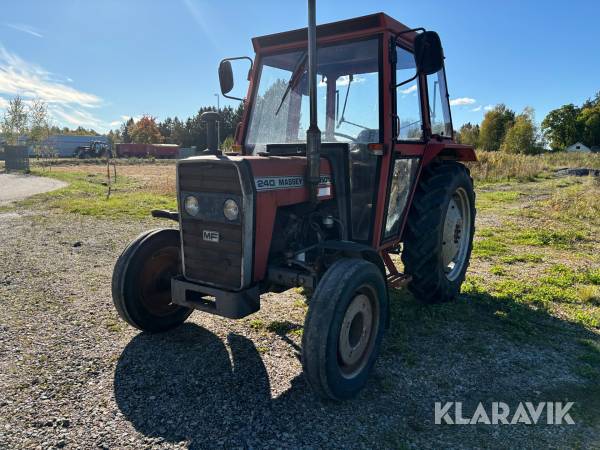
39	127
494	127
588	122
178	133
145	131
561	126
469	134
14	122
521	136
125	130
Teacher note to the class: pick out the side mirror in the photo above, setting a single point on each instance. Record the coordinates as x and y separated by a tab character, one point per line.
429	54
225	77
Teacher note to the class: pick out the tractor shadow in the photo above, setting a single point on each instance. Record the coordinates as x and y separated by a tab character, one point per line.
188	385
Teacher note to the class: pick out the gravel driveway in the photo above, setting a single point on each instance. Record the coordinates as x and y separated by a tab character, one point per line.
15	187
72	375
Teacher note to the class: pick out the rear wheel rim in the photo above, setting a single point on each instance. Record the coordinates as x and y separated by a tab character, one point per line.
155	281
456	234
358	332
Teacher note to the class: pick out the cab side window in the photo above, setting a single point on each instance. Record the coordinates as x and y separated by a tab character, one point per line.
409	126
439	108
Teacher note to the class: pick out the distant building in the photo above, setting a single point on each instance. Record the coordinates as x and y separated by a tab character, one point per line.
64	145
578	147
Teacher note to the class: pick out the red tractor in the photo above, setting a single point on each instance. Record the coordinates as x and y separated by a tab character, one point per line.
346	155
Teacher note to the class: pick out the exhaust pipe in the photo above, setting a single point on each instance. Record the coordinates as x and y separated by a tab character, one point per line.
313	134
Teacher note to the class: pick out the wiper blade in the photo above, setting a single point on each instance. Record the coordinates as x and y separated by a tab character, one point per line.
298	70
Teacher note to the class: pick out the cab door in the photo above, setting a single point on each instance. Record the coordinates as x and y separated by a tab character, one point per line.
409	132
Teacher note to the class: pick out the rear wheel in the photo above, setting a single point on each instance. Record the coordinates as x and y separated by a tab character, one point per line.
344	328
141	284
439	233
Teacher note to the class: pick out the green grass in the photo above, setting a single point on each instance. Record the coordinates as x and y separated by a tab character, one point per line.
86	194
521	258
491	199
489	247
549	237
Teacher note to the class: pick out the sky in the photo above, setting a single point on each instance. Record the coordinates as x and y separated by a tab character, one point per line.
97	63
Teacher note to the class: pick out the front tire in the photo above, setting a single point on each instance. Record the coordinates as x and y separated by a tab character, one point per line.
439	233
344	328
141	283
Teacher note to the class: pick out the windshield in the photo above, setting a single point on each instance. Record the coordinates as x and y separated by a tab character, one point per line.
347	96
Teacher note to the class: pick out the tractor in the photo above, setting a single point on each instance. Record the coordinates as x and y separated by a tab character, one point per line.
345	158
96	149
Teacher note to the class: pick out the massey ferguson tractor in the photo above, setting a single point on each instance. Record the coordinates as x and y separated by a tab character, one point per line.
345	156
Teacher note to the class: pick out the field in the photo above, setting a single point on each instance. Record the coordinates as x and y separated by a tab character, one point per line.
525	328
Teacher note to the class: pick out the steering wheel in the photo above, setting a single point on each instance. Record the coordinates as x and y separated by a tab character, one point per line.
346	136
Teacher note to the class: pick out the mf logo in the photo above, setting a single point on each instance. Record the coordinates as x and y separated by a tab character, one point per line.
210	236
554	413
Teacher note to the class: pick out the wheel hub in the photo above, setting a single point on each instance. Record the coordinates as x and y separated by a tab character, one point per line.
356	334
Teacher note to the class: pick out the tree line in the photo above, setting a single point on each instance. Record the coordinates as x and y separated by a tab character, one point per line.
30	123
504	130
186	133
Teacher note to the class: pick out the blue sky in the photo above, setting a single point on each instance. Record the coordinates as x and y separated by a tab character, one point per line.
99	62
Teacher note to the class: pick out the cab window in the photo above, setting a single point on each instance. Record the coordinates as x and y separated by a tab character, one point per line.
439	108
409	126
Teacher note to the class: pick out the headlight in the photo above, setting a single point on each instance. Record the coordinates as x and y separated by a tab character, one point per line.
191	205
231	209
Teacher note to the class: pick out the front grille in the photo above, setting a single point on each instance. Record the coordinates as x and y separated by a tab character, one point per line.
214	263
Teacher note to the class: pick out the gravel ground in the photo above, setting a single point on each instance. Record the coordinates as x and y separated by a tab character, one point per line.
17	187
72	375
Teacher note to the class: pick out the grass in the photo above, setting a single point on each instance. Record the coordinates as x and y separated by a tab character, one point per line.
86	194
493	167
549	237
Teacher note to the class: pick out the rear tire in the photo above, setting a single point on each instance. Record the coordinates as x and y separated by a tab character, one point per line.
344	328
141	283
439	232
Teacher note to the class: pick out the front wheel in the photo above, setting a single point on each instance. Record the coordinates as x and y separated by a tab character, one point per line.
344	328
141	283
439	234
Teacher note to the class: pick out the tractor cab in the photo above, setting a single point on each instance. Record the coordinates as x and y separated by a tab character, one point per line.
378	98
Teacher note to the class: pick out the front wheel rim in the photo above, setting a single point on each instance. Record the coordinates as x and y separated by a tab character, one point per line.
456	234
358	332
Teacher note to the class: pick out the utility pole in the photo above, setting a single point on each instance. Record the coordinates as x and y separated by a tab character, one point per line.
218	122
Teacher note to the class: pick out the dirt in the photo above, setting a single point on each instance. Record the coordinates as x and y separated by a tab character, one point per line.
15	187
73	375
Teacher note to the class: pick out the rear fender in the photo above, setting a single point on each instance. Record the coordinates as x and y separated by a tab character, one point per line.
448	151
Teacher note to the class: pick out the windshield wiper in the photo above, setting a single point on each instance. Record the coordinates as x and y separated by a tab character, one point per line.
342	118
298	70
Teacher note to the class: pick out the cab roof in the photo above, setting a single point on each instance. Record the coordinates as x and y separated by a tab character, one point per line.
357	27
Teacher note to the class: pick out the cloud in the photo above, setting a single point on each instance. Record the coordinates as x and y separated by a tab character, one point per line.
65	103
407	91
114	123
477	109
76	117
488	107
24	29
462	101
3	103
